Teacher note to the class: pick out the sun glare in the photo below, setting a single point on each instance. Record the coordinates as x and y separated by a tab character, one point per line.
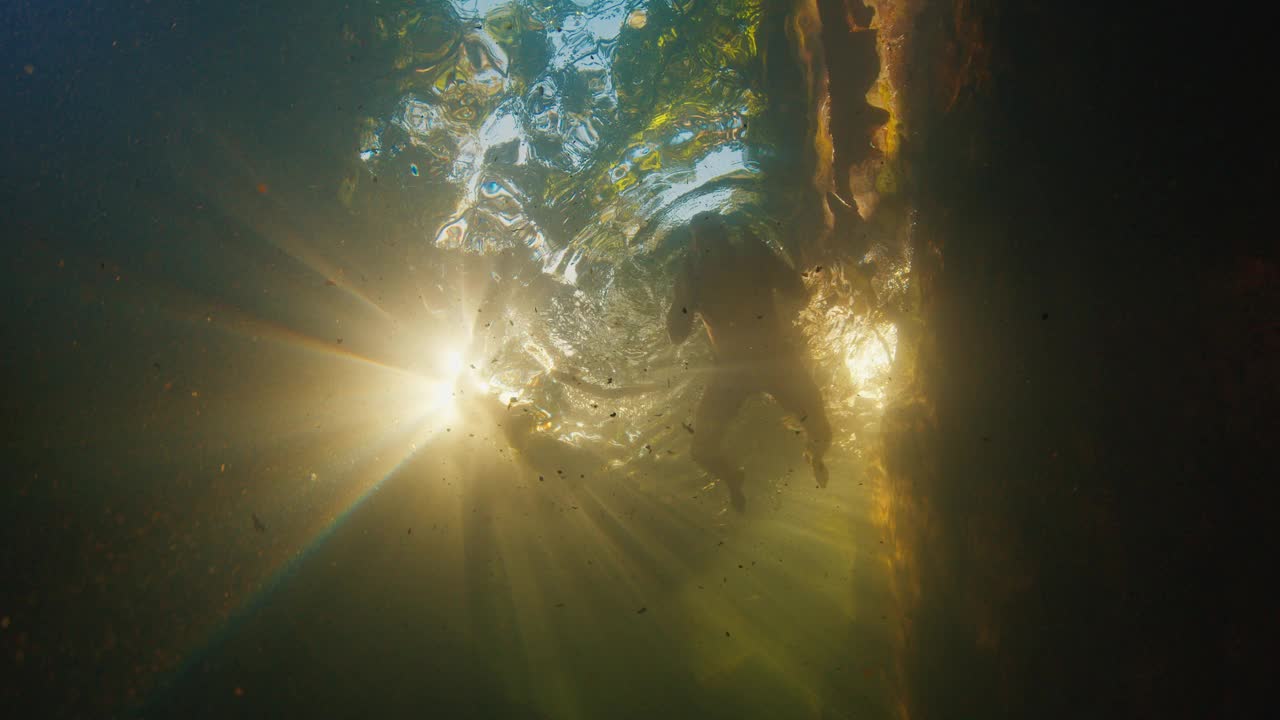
451	363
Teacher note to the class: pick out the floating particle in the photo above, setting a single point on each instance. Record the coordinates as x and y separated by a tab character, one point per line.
263	189
29	69
641	611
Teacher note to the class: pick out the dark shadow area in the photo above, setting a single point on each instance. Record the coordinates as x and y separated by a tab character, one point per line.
1086	488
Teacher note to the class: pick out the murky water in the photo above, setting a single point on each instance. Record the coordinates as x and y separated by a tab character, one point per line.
341	375
360	399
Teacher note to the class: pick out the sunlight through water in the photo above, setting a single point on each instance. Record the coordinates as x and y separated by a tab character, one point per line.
548	157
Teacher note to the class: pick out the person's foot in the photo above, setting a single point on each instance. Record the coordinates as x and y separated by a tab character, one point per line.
819	470
736	497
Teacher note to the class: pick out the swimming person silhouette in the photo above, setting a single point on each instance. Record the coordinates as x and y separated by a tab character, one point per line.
730	283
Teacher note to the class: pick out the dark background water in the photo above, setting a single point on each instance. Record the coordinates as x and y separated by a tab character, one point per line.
1102	368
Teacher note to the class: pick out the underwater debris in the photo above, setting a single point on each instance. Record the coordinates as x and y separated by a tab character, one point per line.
257	524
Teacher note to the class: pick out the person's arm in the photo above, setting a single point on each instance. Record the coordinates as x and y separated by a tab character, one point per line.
680	315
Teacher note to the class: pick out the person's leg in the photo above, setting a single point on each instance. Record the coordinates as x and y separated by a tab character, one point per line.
720	402
796	392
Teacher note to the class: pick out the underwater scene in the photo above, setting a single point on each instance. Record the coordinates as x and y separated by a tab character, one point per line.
583	359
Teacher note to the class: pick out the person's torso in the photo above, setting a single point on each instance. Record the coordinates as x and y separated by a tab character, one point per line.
735	299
